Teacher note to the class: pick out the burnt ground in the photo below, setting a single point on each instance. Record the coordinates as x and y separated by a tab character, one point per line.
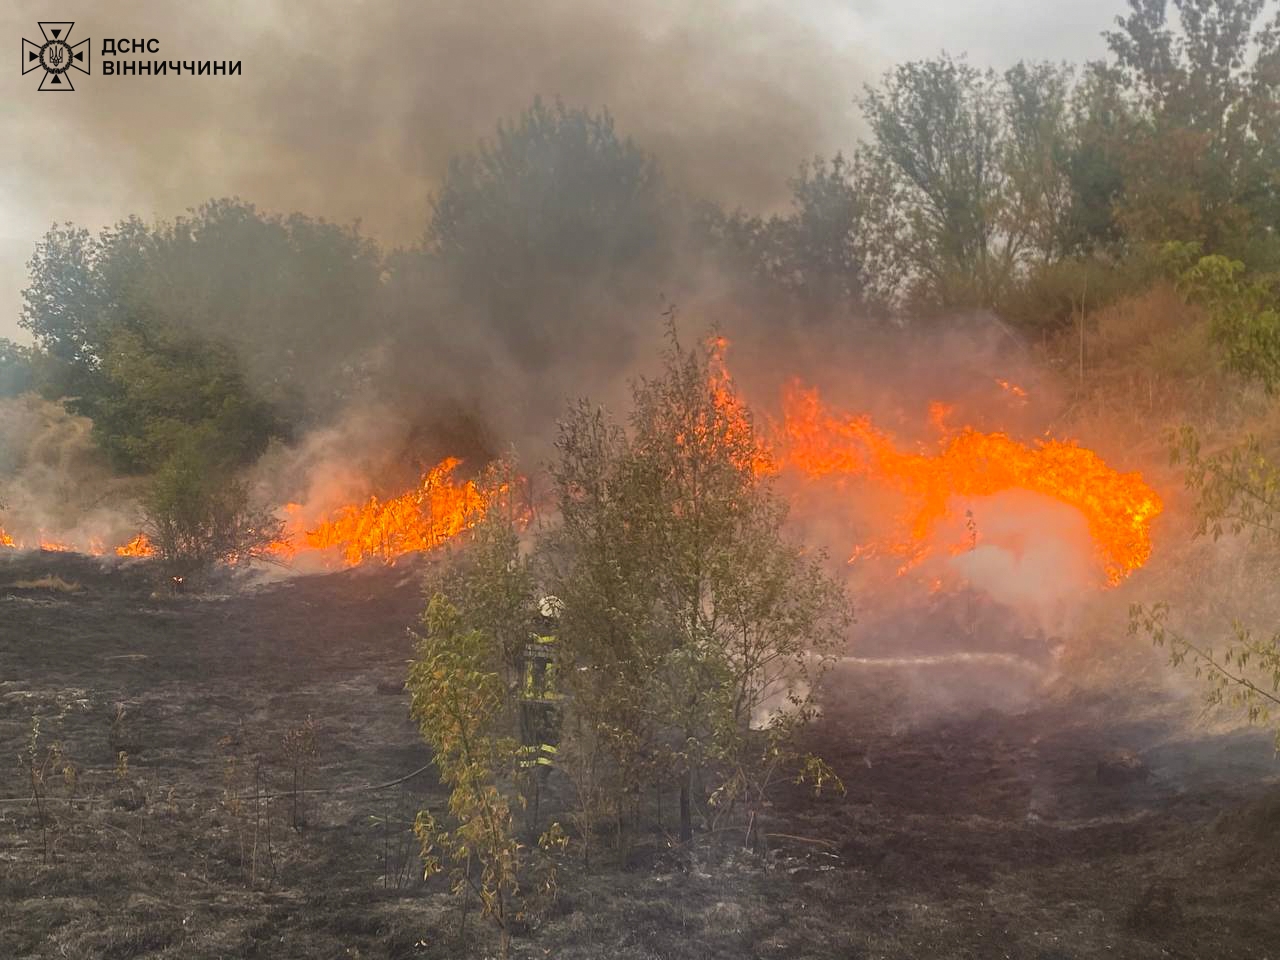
966	832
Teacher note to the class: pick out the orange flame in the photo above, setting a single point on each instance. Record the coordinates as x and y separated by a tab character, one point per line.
139	546
1012	389
1118	507
423	518
51	544
738	431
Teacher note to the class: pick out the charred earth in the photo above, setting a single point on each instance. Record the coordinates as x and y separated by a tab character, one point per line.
970	829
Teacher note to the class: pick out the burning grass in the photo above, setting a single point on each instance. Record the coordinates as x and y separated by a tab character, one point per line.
434	511
967	464
931	504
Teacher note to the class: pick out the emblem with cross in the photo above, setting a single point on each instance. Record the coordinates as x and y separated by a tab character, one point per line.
55	56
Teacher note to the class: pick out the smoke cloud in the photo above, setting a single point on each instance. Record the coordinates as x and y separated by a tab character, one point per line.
353	112
54	485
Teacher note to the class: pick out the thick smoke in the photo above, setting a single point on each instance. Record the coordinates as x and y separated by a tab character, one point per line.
353	113
54	485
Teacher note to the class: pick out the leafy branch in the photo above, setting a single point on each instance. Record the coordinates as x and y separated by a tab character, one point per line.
1245	675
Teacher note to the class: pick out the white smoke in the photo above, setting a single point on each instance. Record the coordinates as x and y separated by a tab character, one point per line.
1029	552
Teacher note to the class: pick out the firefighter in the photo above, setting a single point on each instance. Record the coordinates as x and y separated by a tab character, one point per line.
539	699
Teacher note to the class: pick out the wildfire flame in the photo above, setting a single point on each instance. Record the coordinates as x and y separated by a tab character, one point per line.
423	518
934	487
436	510
139	546
1118	507
738	427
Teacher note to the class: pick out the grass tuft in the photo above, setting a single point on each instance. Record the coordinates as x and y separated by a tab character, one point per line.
47	582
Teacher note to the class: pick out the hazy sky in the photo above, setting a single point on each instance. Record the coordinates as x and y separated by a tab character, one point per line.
349	109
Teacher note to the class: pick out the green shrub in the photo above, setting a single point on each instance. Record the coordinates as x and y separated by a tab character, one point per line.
198	514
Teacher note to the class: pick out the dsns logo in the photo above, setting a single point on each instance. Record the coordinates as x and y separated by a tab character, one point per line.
55	56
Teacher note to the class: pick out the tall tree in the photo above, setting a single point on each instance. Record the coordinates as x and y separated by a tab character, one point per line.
296	297
823	256
291	297
1204	168
538	219
1038	151
1102	119
940	130
115	355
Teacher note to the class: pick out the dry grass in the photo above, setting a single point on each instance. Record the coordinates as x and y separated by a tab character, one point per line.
47	582
1150	366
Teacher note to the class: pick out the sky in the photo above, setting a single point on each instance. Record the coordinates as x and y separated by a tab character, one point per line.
350	109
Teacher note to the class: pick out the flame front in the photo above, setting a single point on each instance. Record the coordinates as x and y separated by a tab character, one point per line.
433	512
43	542
139	546
812	440
423	518
1118	507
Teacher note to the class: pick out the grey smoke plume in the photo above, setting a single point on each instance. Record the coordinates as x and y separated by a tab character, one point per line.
352	112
